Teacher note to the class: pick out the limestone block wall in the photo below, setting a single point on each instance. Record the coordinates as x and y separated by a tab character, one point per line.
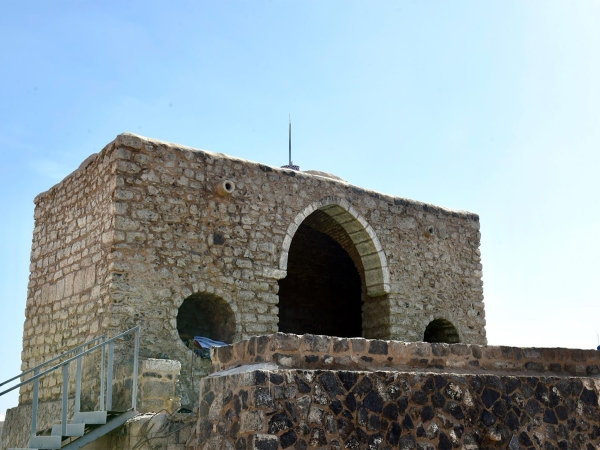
166	236
178	235
70	266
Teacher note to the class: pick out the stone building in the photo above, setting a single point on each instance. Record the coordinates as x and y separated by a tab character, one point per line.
188	242
314	282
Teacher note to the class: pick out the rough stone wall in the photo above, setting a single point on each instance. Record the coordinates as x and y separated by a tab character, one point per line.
175	235
337	409
156	386
146	224
70	258
285	391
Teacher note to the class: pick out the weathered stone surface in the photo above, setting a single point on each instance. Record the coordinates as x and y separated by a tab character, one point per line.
140	228
413	408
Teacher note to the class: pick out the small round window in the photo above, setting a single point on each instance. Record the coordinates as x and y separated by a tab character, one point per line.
441	330
205	315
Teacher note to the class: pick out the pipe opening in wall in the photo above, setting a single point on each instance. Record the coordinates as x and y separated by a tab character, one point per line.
441	331
208	315
225	188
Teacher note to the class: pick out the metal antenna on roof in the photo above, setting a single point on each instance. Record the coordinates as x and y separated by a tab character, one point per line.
291	164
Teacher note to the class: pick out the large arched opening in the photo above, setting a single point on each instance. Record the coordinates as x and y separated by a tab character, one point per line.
333	268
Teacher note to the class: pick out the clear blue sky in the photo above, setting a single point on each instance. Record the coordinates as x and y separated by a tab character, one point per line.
490	107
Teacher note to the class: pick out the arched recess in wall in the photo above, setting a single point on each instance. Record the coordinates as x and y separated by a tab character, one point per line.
441	331
333	262
208	315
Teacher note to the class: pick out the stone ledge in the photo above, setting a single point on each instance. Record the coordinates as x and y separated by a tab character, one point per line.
325	352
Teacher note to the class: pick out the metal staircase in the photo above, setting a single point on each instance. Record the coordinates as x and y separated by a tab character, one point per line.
83	427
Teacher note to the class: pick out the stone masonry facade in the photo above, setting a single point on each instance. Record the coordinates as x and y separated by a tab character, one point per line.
153	233
307	392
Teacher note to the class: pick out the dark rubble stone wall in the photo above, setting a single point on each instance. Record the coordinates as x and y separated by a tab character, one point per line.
300	409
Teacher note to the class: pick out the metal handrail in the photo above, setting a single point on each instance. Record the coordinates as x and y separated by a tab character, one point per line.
67	361
105	402
22	374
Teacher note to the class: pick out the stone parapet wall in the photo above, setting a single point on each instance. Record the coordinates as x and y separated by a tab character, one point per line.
338	409
326	352
297	392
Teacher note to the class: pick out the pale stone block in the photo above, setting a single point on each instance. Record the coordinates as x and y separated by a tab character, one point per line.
90	277
79	282
125	224
123	194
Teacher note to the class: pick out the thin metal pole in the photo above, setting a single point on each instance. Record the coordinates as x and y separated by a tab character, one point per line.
102	358
290	140
135	369
65	399
109	378
34	402
78	383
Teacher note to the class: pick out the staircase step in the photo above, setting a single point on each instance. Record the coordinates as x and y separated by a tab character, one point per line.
73	429
114	422
90	418
49	442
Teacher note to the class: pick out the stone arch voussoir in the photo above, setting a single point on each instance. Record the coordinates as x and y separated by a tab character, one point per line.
377	276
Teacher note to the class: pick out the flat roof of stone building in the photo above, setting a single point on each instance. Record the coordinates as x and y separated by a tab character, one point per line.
134	141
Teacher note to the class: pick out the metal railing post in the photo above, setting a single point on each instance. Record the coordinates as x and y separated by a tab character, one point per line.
78	383
45	363
135	369
106	382
65	399
102	358
34	401
109	377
